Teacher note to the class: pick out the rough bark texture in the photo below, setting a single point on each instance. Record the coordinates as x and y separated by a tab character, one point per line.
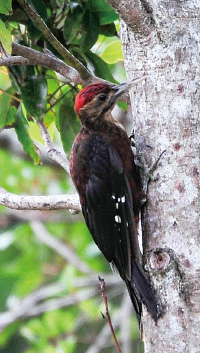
166	116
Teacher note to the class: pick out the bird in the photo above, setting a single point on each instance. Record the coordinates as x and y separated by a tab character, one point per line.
105	175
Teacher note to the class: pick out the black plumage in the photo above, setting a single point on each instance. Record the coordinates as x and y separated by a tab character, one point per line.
107	180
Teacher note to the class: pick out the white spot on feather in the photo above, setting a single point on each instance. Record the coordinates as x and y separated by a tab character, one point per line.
118	219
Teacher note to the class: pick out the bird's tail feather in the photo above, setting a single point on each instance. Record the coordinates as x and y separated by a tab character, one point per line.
141	292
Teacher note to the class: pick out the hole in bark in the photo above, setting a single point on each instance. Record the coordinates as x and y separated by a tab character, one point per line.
159	260
160	257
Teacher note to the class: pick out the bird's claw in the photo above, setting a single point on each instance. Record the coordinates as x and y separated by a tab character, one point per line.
146	171
132	138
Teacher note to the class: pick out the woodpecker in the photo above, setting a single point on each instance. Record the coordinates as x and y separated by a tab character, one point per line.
106	177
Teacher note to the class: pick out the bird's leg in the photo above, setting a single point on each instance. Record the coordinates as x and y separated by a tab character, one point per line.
146	172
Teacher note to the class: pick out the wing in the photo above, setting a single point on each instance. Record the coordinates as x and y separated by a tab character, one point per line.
107	206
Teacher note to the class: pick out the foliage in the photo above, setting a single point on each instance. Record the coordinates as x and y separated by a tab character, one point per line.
5	37
89	30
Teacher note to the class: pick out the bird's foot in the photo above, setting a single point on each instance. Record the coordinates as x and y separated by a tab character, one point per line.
132	138
146	172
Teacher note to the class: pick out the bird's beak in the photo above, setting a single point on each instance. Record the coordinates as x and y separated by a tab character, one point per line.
124	87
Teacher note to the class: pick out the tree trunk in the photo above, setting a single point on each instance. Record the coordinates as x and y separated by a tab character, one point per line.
166	117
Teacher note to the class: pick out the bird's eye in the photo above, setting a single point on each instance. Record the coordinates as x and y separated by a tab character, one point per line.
102	97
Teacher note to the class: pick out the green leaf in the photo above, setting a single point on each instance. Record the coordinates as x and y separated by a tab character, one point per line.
11	115
49	118
122	105
6	285
34	132
18	16
34	95
5	38
108	30
104	11
67	345
101	69
18	74
52	81
72	24
32	27
5	6
40	7
90	32
22	130
113	53
68	123
5	100
33	32
4	78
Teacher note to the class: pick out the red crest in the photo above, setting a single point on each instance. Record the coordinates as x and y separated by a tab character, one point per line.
88	93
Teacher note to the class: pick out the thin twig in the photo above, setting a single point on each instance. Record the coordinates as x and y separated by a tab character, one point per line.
57	101
52	153
10	95
53	94
61	248
33	305
101	340
102	289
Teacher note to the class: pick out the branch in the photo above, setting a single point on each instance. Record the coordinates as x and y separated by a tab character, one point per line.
54	41
31	305
53	63
53	202
61	248
50	62
136	14
102	289
63	302
40	301
52	153
14	60
23	306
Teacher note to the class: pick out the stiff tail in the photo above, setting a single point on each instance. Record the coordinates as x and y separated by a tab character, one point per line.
141	292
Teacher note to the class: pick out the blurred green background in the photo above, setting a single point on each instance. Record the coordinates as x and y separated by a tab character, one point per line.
51	302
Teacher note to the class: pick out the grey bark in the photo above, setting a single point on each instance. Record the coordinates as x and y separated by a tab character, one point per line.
166	116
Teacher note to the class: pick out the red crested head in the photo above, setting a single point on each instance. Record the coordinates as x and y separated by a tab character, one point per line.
88	93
